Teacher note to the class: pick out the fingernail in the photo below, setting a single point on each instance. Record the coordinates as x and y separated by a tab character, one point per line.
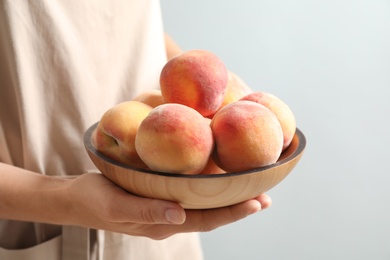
174	216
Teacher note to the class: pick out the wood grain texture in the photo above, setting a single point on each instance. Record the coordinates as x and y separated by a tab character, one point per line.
198	191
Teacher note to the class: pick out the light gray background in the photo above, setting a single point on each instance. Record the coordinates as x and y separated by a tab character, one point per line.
330	62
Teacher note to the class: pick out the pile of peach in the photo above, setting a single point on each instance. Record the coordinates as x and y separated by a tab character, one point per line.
204	120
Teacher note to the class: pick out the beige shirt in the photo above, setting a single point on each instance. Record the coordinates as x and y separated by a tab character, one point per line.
63	63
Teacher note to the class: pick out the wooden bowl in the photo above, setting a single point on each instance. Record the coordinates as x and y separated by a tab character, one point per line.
198	191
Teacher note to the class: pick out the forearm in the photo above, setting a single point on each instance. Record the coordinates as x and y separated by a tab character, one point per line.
28	196
171	47
91	200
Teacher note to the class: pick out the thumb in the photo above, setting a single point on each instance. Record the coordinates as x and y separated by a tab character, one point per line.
115	205
152	211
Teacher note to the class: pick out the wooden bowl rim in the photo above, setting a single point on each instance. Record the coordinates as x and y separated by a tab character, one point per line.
300	148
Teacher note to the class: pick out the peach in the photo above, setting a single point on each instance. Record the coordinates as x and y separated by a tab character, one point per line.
212	168
115	133
152	97
247	135
236	89
195	78
280	109
174	138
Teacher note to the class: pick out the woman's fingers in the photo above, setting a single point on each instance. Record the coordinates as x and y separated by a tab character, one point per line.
210	219
264	200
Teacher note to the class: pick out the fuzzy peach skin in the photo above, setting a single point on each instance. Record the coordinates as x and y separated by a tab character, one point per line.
152	97
115	134
280	109
212	168
174	138
196	78
236	89
247	136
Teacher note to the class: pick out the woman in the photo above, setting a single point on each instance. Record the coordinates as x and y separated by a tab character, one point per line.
63	64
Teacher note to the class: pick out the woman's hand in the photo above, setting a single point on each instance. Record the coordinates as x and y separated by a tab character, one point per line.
96	202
